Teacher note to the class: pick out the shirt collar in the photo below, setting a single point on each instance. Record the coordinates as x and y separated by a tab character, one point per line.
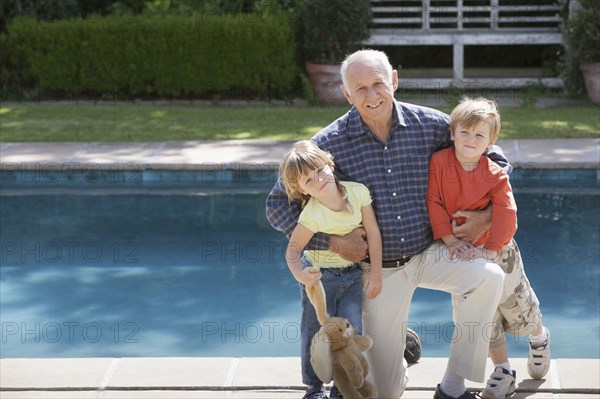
356	127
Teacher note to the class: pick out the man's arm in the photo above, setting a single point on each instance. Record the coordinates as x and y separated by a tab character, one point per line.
496	154
476	224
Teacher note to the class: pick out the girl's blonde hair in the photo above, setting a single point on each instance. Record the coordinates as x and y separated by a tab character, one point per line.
304	157
471	112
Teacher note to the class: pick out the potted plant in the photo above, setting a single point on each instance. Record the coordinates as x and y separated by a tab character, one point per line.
330	31
582	37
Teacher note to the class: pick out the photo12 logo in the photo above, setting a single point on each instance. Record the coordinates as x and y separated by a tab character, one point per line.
70	252
69	332
70	172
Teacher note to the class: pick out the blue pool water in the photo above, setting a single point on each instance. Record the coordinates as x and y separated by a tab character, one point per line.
181	264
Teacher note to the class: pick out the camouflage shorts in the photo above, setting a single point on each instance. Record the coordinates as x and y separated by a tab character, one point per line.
519	309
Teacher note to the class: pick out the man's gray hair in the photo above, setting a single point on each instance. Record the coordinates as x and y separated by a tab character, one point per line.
367	56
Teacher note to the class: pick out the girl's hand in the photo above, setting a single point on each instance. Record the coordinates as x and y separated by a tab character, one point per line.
309	276
373	285
458	249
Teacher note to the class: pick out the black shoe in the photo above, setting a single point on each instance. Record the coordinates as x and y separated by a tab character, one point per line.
334	393
439	394
315	393
412	351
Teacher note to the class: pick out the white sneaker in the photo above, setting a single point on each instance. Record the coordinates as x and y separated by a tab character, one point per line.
502	383
539	359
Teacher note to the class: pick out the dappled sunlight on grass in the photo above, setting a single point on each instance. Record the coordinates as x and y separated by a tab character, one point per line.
559	124
241	135
11	124
571	126
158	114
149	122
311	130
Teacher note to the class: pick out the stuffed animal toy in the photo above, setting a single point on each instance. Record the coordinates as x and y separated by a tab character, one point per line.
336	353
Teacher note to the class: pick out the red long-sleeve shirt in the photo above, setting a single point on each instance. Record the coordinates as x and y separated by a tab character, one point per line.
451	188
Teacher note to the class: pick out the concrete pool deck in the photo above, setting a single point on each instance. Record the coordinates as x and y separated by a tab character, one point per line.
198	377
175	378
234	154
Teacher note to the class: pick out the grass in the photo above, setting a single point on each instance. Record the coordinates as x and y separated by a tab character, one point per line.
63	122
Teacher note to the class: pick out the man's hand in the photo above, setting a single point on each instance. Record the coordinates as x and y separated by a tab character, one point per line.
477	222
353	246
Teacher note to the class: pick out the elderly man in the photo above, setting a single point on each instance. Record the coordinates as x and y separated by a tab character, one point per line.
386	145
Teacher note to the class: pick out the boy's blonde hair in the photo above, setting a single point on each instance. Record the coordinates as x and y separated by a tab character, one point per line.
471	112
304	157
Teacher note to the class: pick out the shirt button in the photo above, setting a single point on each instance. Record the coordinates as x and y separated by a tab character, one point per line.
398	217
394	194
402	239
389	171
385	148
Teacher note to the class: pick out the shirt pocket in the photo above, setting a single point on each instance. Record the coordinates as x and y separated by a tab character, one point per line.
415	169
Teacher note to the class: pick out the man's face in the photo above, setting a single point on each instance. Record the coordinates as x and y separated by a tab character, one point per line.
370	91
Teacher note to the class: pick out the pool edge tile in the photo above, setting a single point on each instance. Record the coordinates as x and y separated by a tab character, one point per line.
53	373
268	371
579	373
171	372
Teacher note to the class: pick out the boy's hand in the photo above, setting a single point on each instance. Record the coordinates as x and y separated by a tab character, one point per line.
475	253
373	285
458	249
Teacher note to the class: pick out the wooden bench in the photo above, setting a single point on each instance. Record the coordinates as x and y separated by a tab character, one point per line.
460	23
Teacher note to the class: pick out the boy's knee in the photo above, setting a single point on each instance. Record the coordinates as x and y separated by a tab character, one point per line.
497	337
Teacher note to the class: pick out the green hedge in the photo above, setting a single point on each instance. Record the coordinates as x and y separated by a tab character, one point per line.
173	56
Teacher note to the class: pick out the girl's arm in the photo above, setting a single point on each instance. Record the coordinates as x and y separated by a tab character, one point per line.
373	284
283	216
293	255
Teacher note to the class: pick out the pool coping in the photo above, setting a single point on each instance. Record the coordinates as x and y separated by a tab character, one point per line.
244	377
249	154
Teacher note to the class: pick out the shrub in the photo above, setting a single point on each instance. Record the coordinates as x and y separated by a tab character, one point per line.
334	29
582	35
245	54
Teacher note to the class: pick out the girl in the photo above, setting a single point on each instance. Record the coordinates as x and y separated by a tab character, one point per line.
332	207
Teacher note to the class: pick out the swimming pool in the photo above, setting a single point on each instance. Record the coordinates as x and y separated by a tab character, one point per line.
185	264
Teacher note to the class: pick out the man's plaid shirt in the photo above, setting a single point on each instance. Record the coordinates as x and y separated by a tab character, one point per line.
395	173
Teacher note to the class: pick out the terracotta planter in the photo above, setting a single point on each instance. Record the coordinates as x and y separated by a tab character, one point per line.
591	76
326	81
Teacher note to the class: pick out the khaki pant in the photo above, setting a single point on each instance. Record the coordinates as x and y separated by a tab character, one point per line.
519	309
476	288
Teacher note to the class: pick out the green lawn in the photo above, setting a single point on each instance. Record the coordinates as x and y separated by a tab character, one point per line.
146	122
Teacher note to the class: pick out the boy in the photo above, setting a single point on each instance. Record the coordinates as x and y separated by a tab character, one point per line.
461	178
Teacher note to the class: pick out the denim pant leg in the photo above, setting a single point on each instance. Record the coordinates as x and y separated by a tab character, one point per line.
350	298
344	296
